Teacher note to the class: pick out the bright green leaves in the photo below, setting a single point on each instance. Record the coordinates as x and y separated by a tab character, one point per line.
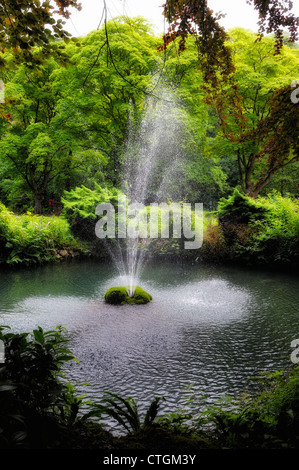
39	336
29	239
120	63
261	230
70	122
258	72
82	201
108	84
48	138
40	150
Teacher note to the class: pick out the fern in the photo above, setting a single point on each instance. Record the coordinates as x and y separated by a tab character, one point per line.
125	411
31	238
82	201
152	411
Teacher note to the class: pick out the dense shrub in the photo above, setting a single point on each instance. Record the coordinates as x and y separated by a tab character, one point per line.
268	419
36	402
262	230
240	209
243	229
31	238
213	248
79	207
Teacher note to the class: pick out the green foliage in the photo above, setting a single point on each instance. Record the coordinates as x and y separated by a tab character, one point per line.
284	181
262	230
28	239
125	411
35	399
46	140
79	206
177	421
267	419
282	216
82	201
276	236
32	22
254	106
108	84
240	208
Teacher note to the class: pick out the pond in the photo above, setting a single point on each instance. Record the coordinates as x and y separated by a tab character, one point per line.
208	328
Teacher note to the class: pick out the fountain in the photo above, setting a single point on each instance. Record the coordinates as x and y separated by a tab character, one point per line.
151	174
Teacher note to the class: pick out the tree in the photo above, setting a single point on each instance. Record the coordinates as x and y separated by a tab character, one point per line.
28	23
221	81
112	74
201	177
277	135
44	139
68	119
253	126
194	17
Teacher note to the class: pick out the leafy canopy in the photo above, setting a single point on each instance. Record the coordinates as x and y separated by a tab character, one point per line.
28	23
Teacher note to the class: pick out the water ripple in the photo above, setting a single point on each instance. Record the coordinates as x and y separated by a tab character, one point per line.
207	329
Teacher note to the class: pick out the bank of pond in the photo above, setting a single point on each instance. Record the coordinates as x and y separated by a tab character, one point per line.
40	409
207	364
256	232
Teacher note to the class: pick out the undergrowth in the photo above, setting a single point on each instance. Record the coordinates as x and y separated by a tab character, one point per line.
40	409
31	239
261	230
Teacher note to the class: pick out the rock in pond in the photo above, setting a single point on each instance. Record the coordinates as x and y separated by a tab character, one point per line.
119	296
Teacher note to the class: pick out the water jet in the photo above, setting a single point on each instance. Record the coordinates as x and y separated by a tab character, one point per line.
151	169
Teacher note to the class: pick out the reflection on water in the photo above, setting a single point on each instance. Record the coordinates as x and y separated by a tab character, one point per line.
211	328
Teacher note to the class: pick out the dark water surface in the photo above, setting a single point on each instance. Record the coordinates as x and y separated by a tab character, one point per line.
206	327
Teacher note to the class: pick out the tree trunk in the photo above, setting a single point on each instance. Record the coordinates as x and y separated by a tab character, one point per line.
252	192
38	203
246	167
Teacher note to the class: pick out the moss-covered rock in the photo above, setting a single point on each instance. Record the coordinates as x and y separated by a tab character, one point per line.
141	297
119	296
